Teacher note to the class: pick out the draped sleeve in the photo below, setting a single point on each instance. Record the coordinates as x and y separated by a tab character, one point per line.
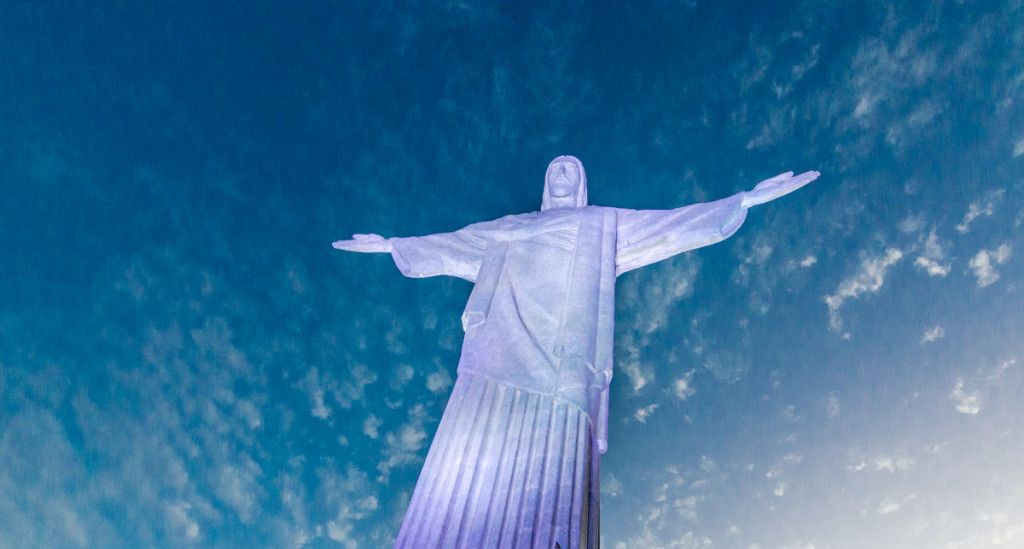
458	253
647	236
461	253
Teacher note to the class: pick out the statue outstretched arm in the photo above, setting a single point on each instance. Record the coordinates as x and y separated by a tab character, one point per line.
648	236
459	253
780	185
366	243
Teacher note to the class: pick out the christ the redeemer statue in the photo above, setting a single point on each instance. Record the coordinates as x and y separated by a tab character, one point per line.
516	458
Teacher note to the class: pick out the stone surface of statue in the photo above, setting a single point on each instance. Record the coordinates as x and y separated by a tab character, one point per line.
515	461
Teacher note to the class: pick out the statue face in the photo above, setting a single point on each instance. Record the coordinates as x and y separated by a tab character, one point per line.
565	184
563	180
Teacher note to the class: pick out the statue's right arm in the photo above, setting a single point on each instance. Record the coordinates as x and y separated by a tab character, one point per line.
453	254
366	243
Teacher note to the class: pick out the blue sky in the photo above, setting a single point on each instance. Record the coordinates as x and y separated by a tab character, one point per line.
185	361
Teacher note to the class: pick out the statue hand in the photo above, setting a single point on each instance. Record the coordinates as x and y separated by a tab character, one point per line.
781	184
366	243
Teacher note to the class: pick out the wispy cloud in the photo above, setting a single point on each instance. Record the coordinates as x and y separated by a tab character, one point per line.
642	414
683	388
882	463
349	499
867	280
665	519
726	365
966	402
891	505
372	425
656	291
404	445
780	488
984	262
912	223
310	384
932	334
238	486
983	207
1001	369
440	381
930	266
930	256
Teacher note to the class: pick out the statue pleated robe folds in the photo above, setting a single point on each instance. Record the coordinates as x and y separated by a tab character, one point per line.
516	458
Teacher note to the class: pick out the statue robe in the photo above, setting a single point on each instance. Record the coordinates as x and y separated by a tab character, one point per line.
515	460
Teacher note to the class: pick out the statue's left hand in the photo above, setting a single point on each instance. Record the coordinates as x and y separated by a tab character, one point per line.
781	184
366	243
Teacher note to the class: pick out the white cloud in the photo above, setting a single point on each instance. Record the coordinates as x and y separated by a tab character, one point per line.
349	497
439	382
353	387
868	279
656	291
877	95
400	376
310	383
891	505
966	403
686	507
809	61
642	414
982	264
930	266
610	485
1018	147
888	506
293	500
932	248
727	365
405	445
683	387
661	291
371	426
755	66
179	516
882	464
930	256
983	207
932	334
865	105
237	485
1001	369
658	517
912	223
808	261
639	375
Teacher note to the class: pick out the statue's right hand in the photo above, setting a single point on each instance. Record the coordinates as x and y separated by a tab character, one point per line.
366	243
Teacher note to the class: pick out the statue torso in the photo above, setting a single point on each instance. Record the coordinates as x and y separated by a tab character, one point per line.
515	343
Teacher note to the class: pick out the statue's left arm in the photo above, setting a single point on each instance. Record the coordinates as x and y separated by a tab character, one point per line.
648	236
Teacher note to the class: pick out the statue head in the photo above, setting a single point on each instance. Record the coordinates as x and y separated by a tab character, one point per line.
565	184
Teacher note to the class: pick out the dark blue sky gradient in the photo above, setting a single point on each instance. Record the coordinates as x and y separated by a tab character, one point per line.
185	361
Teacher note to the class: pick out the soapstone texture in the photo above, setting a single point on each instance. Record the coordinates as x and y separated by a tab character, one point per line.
516	458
